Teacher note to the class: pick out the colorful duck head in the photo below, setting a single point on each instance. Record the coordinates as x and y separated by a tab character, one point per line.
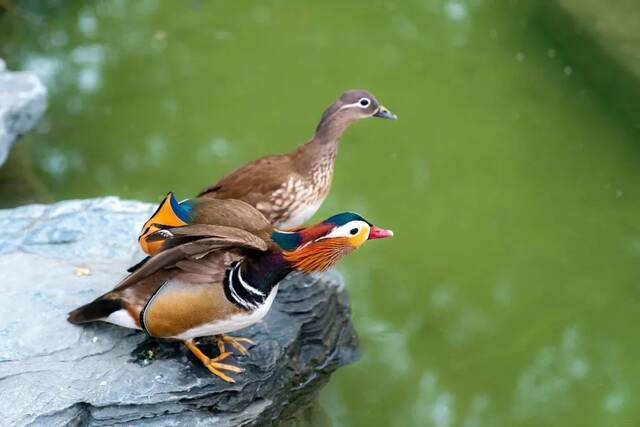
319	247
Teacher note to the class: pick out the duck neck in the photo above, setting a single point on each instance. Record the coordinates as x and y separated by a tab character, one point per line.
317	154
267	270
321	151
316	158
331	128
248	283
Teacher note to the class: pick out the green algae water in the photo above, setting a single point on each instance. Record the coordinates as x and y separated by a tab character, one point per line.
510	294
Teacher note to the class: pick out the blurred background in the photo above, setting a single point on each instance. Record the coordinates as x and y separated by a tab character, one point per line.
509	294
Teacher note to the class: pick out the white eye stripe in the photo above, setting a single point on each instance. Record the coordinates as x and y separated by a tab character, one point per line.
346	230
357	104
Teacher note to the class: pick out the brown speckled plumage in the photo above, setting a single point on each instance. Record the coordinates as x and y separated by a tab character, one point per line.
289	188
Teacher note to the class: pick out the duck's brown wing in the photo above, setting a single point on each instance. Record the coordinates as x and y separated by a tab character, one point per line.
231	213
254	182
193	242
237	214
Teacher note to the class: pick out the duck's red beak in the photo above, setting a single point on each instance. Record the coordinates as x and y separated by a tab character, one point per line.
379	233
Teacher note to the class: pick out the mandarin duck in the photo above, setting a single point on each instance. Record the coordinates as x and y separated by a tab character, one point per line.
210	279
289	188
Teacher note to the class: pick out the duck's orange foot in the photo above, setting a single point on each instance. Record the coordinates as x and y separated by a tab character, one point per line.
216	367
213	364
234	342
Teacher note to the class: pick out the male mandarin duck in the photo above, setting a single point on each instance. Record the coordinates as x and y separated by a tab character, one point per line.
209	279
289	188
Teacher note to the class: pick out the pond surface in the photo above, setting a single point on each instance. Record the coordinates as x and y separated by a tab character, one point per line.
510	294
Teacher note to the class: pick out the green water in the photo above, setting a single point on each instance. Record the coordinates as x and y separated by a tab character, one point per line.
510	294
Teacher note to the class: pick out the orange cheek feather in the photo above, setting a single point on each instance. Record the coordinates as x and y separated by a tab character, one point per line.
319	256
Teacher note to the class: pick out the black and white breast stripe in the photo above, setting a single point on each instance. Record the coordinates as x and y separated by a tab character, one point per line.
239	291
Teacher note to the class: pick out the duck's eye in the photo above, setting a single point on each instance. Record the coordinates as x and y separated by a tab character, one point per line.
364	102
353	231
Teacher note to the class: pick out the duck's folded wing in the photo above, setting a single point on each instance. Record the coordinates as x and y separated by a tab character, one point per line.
166	224
192	243
173	237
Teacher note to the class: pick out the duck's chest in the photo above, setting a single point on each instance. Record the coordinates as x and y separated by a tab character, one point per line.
300	197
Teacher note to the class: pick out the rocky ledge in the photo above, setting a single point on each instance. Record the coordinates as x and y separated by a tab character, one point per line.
23	99
56	257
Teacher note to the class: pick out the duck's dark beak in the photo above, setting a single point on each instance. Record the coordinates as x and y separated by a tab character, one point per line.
379	233
384	113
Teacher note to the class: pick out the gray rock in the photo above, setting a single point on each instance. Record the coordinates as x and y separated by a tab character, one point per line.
101	374
23	99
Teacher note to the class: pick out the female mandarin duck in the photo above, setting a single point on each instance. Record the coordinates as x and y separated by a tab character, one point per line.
288	189
214	278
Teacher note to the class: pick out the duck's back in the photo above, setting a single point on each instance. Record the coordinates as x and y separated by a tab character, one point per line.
255	181
286	189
